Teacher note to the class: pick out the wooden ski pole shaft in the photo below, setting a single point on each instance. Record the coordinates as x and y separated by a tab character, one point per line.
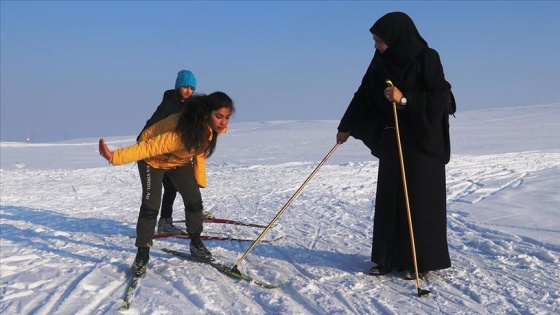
406	200
234	269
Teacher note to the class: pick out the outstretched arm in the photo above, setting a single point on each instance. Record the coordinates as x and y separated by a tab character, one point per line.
104	150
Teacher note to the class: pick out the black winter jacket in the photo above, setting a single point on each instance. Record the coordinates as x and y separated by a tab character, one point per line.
170	104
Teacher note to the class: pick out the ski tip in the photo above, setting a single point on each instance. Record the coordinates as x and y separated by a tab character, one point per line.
270	286
281	284
123	309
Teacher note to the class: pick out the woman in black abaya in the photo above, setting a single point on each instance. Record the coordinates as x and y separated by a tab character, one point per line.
422	95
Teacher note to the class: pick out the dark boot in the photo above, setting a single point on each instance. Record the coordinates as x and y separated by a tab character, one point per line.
165	226
140	264
378	271
206	215
411	275
198	249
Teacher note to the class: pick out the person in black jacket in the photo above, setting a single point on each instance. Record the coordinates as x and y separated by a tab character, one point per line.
172	103
422	95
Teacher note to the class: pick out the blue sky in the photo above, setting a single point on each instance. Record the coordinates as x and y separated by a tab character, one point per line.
98	68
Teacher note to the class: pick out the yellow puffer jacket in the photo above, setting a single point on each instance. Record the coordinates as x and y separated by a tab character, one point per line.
160	146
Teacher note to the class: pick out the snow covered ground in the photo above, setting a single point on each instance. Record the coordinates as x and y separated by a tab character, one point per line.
66	214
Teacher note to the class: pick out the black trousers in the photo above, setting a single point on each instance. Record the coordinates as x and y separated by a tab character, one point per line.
183	180
169	195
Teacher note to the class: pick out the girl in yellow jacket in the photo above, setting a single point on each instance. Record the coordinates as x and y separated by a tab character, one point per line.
166	148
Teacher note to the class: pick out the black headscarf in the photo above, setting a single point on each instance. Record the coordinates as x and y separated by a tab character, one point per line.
404	43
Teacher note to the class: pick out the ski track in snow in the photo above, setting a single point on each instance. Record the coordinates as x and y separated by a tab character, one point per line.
56	256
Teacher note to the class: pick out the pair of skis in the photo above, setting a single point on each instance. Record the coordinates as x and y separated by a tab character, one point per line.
211	237
215	237
226	221
222	268
184	235
135	279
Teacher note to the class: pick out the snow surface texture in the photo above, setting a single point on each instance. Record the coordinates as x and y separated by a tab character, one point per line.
66	215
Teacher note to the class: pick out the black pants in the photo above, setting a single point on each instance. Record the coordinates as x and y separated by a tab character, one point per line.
169	195
183	180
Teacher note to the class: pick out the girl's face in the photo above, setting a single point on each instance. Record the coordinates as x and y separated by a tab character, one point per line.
219	119
185	92
379	44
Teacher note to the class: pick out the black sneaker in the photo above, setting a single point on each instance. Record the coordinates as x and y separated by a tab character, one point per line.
198	249
140	264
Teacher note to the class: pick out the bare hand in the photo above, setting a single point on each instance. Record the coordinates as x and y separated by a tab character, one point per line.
341	137
104	150
393	94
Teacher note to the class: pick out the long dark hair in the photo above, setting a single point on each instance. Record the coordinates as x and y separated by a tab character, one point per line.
193	121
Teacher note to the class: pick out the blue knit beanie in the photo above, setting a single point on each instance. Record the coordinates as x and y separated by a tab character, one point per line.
185	78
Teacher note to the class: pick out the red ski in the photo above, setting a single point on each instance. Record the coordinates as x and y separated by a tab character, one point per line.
210	237
226	221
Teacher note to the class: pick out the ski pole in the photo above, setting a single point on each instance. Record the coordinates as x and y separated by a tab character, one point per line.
234	269
421	293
